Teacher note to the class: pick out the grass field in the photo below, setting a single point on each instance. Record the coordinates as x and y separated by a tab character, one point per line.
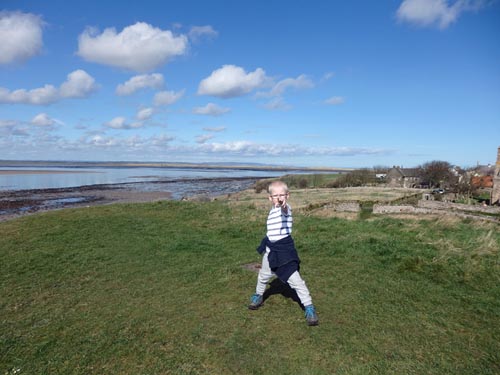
161	288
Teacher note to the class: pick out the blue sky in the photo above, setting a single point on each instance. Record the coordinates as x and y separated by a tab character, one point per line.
317	83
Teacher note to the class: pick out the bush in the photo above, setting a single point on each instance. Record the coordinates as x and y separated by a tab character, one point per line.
360	177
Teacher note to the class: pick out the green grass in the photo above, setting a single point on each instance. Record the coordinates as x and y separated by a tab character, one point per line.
160	289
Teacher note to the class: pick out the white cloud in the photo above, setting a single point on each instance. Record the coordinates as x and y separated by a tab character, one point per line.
277	103
211	109
7	123
139	47
79	84
116	123
246	148
144	114
204	138
20	36
232	81
93	145
198	32
299	83
160	140
101	141
335	100
43	95
148	145
121	123
327	76
167	97
153	81
42	119
216	129
302	82
9	128
434	12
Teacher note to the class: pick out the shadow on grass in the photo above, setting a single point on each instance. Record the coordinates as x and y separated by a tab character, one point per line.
278	287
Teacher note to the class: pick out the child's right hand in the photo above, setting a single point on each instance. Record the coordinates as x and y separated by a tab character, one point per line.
281	204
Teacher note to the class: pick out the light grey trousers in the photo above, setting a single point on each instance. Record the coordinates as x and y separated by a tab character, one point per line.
295	281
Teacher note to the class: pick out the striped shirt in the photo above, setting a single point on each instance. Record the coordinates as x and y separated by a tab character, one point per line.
279	224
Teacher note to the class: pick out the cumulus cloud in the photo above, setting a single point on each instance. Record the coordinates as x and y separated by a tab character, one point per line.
139	47
135	142
204	138
211	109
43	95
144	114
167	97
247	148
335	100
7	123
11	128
276	104
20	35
198	32
215	129
299	83
42	119
153	81
435	12
121	123
302	82
36	130
78	84
232	81
36	142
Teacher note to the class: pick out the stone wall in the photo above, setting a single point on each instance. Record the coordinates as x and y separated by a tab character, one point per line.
438	208
343	207
401	209
495	194
436	205
386	209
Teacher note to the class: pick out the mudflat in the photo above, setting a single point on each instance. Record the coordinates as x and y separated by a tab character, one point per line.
15	203
34	171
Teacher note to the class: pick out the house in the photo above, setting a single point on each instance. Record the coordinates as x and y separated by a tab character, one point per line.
495	193
482	181
403	177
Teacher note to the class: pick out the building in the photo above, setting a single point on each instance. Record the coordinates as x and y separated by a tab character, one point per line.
403	177
495	193
481	182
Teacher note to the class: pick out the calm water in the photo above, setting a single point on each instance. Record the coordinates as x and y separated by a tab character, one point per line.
93	176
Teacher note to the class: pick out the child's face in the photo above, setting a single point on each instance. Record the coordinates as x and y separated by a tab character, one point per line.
278	196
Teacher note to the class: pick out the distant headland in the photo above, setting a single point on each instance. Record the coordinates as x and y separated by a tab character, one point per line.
136	164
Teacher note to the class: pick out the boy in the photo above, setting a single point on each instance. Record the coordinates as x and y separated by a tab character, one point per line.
280	257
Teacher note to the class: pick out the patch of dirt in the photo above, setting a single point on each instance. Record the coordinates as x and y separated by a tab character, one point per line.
254	267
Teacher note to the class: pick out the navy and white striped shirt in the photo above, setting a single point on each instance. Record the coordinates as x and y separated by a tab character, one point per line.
279	224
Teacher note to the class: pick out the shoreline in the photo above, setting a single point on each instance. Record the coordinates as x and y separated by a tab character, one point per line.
175	165
35	171
17	203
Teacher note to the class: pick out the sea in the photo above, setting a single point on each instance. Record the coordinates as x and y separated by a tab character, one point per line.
142	178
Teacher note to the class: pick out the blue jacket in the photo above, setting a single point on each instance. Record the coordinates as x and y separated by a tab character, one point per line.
283	258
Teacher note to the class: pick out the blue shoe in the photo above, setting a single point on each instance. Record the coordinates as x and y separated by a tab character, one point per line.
311	316
256	301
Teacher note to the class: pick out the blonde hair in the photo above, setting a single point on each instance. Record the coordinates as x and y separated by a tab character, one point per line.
276	184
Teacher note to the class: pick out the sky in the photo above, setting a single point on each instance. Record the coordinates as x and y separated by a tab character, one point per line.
319	83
